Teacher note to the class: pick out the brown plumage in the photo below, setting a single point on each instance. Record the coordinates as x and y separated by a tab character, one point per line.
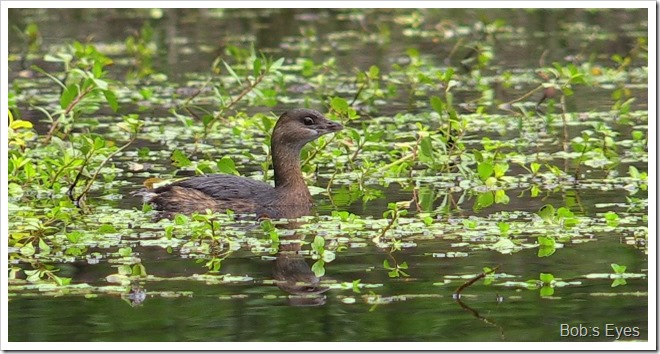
220	192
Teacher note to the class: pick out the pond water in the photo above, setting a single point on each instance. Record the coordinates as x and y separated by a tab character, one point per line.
402	219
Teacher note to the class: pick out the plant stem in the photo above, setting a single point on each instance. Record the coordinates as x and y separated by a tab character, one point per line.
98	169
359	91
240	96
69	192
473	280
318	148
78	98
69	108
398	161
523	96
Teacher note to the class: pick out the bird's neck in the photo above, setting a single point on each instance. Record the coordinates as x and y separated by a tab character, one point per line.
286	164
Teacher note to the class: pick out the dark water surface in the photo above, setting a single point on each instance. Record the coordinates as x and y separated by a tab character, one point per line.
419	312
415	308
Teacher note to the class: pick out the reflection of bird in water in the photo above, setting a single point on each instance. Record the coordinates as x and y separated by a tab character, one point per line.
220	192
290	270
295	276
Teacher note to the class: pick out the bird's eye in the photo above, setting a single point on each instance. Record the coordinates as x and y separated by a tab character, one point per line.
308	121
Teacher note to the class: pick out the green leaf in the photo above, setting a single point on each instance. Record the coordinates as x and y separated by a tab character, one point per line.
503	245
578	147
97	69
577	79
618	281
102	84
74	236
564	212
180	219
15	190
547	212
504	227
318	244
99	143
386	264
124	269
501	197
274	236
470	224
276	65
107	229
328	256
428	220
61	281
308	67
478	156
637	135
180	159
633	172
437	104
447	76
412	52
485	170
612	219
484	200
318	268
169	230
546	241
54	59
256	67
75	251
546	278
618	269
374	71
535	166
500	169
426	149
339	104
146	93
231	72
534	192
111	98
68	95
267	225
207	119
140	270
125	251
567	217
33	275
227	165
546	251
24	124
146	207
547	246
547	291
356	286
43	246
